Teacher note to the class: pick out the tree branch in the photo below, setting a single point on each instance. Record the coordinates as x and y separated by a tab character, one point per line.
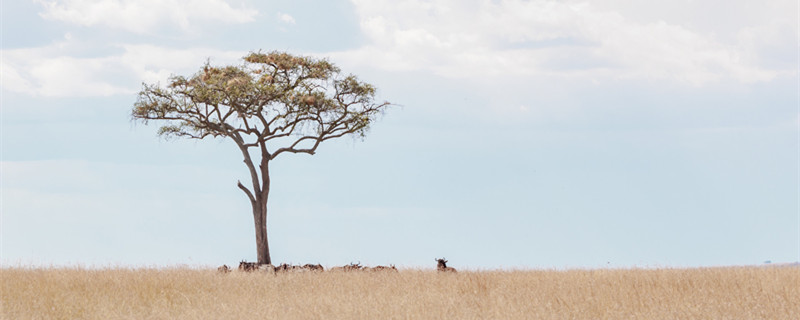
248	162
246	191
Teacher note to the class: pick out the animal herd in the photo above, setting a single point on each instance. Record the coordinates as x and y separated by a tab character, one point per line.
253	266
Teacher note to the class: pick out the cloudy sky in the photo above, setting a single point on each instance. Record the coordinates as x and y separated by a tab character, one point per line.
535	134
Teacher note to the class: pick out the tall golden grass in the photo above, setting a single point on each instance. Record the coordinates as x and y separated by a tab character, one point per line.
175	293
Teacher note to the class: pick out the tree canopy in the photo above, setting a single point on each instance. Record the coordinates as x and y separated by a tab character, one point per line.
272	97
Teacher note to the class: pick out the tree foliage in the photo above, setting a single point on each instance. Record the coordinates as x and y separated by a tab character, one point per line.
271	98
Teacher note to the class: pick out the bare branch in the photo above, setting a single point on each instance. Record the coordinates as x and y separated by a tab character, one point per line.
248	162
247	192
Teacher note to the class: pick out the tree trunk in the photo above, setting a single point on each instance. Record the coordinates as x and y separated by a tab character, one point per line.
260	216
260	219
262	244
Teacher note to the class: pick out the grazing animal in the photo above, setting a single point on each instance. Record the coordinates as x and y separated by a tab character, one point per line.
224	269
391	268
314	267
283	267
442	266
349	267
267	268
353	267
248	266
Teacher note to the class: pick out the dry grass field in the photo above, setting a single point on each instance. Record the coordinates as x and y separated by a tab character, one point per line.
705	293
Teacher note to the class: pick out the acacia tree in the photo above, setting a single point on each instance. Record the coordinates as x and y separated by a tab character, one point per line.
272	104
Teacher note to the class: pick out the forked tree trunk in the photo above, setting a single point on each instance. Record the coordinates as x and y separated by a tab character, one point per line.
258	199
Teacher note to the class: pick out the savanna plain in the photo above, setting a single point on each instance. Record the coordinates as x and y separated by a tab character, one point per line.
192	293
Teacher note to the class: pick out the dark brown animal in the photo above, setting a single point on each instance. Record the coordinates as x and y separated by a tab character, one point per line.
442	266
283	267
224	269
248	266
314	267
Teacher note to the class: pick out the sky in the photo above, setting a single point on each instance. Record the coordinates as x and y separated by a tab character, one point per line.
535	134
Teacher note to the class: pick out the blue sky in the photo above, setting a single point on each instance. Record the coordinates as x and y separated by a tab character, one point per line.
526	134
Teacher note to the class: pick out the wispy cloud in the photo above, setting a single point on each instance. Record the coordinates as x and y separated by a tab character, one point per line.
286	18
545	38
55	71
143	16
46	72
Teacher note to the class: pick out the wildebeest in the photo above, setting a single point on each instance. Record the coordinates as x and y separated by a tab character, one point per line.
248	266
442	266
267	268
314	267
391	268
284	267
353	267
224	269
349	267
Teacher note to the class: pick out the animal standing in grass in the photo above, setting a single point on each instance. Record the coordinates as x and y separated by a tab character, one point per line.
248	266
349	267
314	267
390	268
442	266
224	269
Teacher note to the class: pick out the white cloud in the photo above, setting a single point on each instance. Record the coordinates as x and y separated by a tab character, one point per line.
286	18
773	44
143	16
155	64
54	71
43	71
482	38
